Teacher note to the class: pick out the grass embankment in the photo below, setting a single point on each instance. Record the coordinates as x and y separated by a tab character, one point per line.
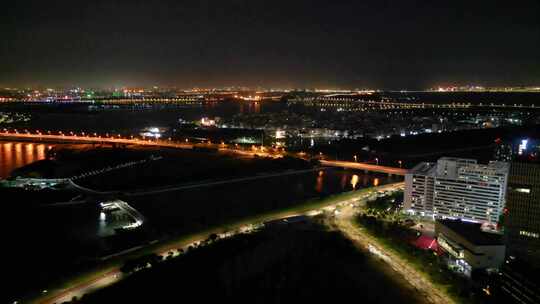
274	265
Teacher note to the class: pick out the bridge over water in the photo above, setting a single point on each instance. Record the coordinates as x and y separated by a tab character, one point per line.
92	138
365	167
68	138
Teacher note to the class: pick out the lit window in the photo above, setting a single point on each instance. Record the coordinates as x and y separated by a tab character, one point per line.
530	234
523	190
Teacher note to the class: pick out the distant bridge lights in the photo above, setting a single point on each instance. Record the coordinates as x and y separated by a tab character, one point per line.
133	139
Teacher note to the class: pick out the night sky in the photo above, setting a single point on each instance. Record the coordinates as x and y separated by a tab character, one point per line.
347	44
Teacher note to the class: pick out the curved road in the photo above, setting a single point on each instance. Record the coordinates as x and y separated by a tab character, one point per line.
344	222
106	277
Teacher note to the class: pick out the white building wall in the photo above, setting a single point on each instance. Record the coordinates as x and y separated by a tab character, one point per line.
458	188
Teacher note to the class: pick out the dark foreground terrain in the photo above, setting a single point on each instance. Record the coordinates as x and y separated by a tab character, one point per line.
276	265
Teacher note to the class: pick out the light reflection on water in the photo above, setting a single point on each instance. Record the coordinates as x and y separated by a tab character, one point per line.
260	195
17	154
348	181
354	181
320	181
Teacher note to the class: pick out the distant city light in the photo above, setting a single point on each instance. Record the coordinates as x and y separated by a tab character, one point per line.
153	132
522	146
280	134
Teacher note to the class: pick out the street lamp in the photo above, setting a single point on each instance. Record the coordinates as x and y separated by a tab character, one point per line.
377	160
355	159
399	162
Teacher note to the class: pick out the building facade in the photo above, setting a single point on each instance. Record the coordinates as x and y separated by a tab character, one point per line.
457	188
468	247
522	225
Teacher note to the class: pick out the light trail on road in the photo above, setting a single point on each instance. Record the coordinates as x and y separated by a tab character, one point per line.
113	274
95	139
363	166
344	222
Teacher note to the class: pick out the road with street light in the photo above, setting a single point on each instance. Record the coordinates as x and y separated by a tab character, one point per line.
344	221
118	139
105	277
364	166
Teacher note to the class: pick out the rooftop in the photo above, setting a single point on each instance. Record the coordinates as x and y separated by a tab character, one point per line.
422	168
458	160
451	167
472	232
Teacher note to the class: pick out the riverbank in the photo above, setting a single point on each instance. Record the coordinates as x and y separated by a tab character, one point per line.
288	263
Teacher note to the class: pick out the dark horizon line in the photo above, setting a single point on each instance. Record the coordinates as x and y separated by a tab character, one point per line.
260	87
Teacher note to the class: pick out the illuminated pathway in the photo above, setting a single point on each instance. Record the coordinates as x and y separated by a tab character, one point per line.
364	166
344	222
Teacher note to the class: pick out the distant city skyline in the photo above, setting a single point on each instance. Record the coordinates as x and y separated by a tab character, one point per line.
447	88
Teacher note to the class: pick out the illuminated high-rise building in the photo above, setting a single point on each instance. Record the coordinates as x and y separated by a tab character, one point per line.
457	188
